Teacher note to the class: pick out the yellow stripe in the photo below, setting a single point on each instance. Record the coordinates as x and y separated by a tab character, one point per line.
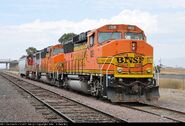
134	76
89	71
80	47
108	60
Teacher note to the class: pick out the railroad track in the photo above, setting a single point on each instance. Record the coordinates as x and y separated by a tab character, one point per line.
62	108
173	115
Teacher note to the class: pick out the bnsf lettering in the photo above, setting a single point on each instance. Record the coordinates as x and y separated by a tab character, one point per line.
130	59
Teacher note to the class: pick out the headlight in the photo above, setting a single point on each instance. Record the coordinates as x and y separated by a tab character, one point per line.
120	70
134	46
149	80
148	71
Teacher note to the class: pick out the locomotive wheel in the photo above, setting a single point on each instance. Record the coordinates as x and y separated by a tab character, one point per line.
96	89
27	74
60	83
65	85
48	77
22	75
53	81
38	76
33	75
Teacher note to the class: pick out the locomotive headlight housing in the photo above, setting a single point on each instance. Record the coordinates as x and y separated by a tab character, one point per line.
112	27
131	27
134	46
120	70
149	70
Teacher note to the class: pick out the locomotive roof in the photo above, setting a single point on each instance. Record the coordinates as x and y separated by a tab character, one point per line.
119	26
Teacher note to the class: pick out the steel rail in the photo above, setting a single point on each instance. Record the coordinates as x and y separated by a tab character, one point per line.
153	113
70	120
56	111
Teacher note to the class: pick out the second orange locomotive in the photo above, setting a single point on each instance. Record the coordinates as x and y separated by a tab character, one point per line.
113	61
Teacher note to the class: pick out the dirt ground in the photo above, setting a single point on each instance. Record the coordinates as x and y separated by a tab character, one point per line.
172	71
173	99
15	108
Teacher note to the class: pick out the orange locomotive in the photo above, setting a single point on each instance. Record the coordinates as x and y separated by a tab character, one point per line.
46	62
113	61
51	60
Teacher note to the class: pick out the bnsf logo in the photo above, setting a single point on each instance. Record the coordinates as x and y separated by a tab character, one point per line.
130	59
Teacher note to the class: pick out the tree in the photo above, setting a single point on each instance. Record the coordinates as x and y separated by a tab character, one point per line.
31	50
66	37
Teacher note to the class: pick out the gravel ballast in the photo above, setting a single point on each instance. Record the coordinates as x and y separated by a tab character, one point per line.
127	114
15	108
170	98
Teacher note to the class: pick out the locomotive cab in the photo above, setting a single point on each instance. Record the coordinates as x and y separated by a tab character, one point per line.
127	64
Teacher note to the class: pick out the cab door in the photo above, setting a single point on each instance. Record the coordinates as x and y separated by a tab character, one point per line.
50	61
91	56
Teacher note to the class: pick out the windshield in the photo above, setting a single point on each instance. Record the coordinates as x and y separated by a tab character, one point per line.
134	36
57	51
104	36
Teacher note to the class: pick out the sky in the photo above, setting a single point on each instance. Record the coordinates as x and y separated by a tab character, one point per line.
40	23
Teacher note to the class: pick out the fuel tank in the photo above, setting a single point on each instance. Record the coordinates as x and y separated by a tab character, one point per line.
78	85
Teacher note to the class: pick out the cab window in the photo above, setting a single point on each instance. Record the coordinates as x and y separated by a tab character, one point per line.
104	36
57	51
92	40
134	36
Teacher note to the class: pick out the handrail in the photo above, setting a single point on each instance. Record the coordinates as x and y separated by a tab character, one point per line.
157	76
107	71
102	68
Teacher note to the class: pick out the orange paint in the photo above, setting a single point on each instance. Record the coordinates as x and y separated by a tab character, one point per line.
85	60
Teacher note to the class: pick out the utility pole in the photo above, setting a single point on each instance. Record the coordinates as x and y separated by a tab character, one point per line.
6	66
160	62
183	81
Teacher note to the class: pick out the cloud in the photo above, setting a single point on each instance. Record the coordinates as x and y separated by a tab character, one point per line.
142	19
165	32
161	31
41	34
